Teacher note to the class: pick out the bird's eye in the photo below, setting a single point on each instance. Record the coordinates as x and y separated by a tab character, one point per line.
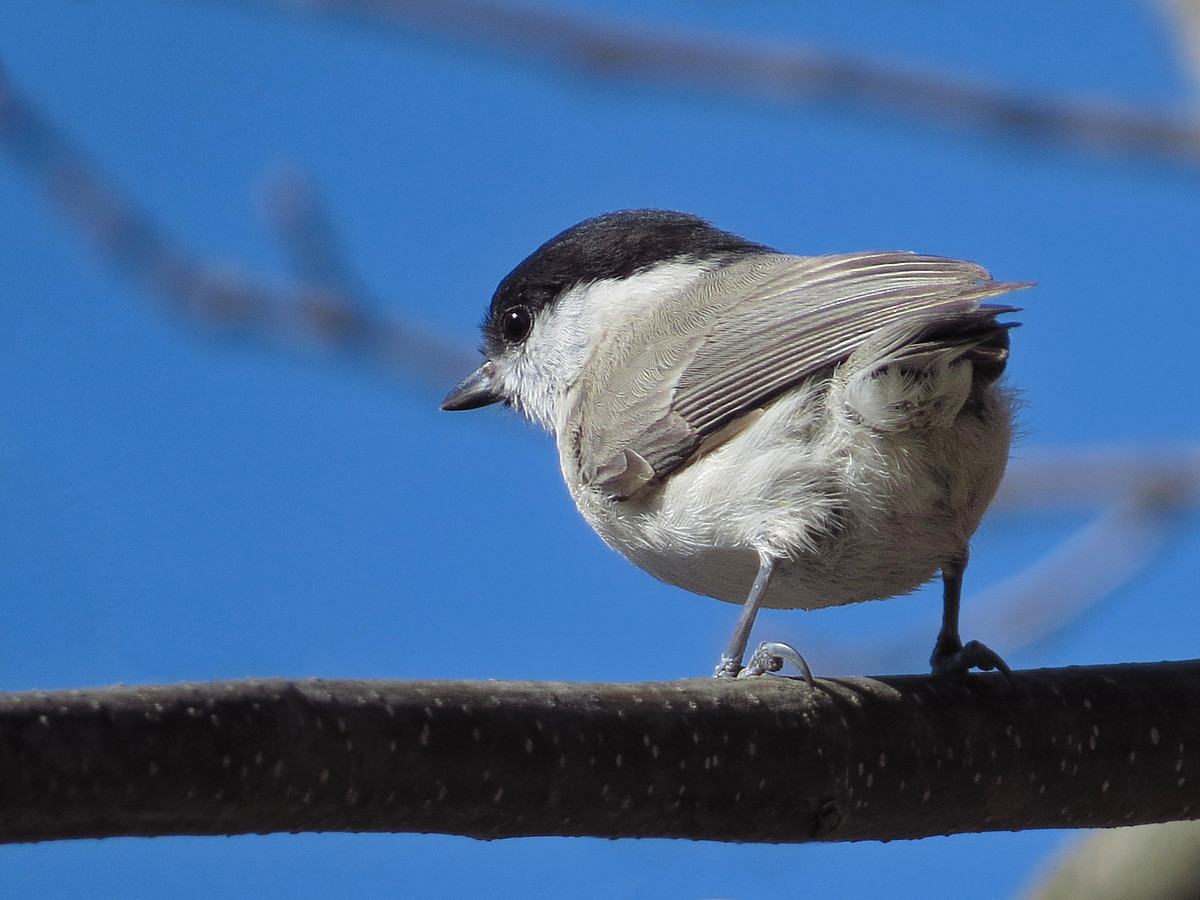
516	324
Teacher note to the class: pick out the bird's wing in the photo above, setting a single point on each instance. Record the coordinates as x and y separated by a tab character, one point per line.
749	331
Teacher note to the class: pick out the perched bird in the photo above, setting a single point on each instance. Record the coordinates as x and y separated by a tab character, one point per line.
766	429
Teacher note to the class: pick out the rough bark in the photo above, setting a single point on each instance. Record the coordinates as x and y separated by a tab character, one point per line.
766	759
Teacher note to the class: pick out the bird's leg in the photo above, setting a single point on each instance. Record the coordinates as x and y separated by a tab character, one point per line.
770	656
731	659
949	644
950	655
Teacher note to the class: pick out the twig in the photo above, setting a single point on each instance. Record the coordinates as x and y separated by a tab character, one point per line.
1086	478
717	63
312	316
1151	862
1185	22
307	234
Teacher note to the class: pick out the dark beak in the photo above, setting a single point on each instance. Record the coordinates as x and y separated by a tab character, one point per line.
476	390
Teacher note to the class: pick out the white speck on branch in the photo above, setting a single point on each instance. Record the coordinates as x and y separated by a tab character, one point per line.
1052	750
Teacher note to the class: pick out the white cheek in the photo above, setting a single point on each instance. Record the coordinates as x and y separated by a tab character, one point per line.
539	376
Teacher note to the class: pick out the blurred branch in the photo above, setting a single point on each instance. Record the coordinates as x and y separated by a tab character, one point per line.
309	239
1185	20
1164	475
1147	862
1098	560
643	52
1143	495
318	316
765	760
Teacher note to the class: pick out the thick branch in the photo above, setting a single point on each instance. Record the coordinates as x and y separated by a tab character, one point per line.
761	760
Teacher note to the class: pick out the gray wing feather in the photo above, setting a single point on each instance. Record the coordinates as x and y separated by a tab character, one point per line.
749	331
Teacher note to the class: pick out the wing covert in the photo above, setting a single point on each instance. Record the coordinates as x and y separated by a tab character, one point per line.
749	331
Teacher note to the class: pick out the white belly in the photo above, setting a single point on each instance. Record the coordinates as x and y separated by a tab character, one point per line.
851	511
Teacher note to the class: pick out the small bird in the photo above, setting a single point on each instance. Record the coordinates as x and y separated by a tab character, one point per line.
771	430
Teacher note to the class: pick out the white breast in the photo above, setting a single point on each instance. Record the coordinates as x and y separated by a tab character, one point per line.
857	501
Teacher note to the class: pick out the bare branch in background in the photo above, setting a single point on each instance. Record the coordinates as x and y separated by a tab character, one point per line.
641	51
1095	562
1147	862
1085	478
766	760
1184	17
309	238
1142	497
316	316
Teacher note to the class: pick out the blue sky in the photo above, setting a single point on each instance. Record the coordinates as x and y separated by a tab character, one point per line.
176	505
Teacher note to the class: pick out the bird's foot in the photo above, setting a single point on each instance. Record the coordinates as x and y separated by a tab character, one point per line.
956	658
769	657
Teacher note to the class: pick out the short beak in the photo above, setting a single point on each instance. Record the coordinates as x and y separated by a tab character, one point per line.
476	390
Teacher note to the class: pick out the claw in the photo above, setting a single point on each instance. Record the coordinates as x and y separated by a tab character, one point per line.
972	655
770	657
950	655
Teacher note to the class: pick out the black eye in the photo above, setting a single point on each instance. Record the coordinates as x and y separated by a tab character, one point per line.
516	324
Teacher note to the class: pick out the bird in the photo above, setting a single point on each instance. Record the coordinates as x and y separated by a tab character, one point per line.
766	429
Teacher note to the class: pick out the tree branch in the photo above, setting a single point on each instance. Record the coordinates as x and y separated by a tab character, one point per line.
723	65
766	760
324	316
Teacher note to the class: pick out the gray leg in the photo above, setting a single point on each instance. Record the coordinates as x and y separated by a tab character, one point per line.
731	659
950	655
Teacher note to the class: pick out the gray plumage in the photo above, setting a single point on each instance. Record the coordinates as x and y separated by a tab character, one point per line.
777	430
748	331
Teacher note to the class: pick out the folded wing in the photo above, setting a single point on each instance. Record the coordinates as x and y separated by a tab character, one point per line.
749	331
